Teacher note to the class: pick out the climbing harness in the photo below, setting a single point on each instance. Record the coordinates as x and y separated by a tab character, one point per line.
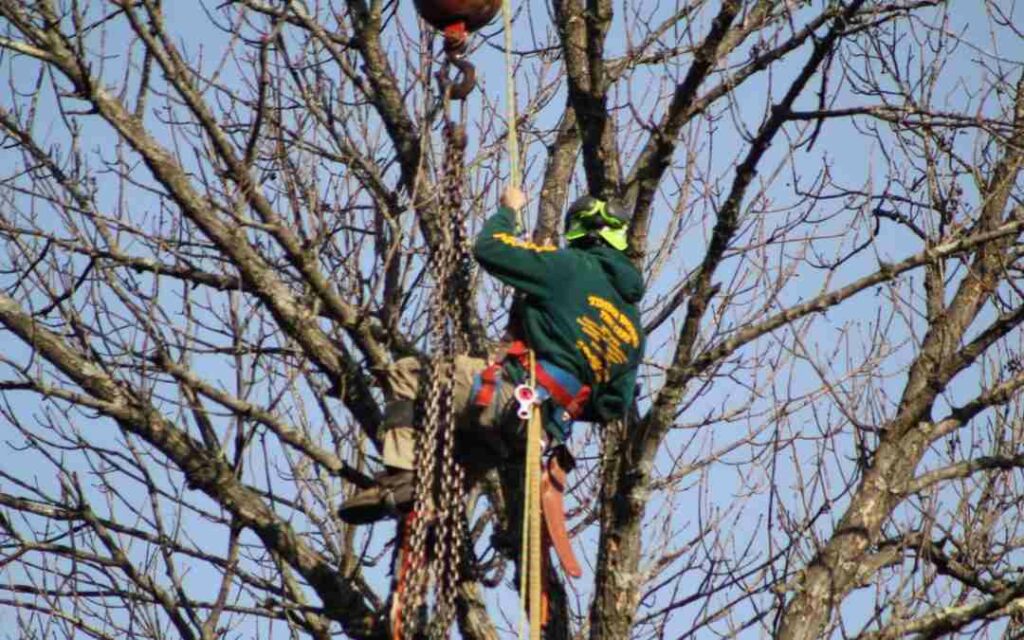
562	387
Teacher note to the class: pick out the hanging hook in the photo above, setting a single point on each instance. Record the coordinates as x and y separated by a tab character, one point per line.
467	81
456	20
460	89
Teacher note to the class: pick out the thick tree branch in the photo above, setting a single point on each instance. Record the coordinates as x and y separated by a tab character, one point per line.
829	576
627	472
562	154
208	473
294	318
582	31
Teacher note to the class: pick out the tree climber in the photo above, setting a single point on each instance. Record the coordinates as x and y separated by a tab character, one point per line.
577	311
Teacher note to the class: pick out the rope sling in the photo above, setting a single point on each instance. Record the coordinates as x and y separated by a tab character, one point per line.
531	545
439	515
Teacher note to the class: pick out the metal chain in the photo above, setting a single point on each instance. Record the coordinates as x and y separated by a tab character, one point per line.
452	496
440	489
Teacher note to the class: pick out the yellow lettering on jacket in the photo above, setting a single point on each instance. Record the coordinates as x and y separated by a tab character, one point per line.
512	241
608	331
596	364
617	320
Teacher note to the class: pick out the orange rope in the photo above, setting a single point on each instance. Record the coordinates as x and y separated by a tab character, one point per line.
405	564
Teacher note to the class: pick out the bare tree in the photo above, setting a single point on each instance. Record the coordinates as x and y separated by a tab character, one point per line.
218	221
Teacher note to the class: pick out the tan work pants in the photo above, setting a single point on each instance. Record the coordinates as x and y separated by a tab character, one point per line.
480	429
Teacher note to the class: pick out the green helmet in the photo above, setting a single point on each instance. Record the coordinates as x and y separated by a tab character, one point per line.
589	216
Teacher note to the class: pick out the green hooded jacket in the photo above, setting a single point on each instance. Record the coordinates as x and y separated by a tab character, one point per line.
579	309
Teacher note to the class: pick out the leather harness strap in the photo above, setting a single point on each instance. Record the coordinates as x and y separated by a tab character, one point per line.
553	484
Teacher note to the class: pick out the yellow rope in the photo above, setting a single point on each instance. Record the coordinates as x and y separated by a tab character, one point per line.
530	559
536	608
524	564
515	179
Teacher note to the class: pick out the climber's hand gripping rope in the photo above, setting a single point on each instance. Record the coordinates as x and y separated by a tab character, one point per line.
514	199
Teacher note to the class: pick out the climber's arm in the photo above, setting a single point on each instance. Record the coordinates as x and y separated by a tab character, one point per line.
520	263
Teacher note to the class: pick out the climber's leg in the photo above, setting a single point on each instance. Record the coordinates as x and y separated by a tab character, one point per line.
393	493
479	438
398	433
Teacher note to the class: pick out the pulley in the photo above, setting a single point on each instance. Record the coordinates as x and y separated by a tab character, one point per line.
456	19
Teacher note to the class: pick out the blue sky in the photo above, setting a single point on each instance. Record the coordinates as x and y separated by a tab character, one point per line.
840	148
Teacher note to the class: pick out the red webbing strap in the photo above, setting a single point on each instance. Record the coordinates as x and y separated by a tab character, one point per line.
518	350
488	385
405	565
572	404
553	485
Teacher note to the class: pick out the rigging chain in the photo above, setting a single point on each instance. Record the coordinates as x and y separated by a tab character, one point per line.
439	512
445	519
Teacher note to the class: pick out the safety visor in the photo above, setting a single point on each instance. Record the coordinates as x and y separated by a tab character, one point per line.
589	214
